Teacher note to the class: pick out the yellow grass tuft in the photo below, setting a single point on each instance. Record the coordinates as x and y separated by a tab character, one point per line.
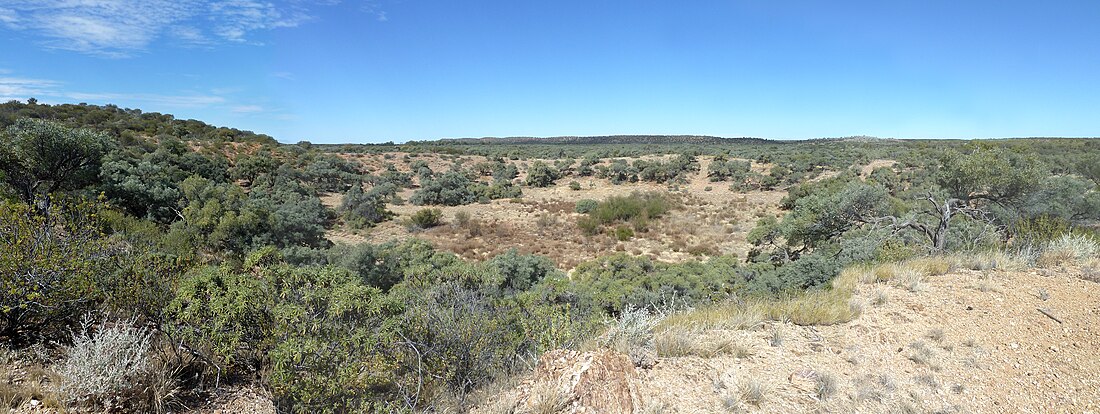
816	307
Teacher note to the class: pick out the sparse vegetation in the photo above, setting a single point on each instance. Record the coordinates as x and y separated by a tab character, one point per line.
221	242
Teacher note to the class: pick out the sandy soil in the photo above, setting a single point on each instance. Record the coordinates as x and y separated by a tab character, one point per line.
711	220
969	342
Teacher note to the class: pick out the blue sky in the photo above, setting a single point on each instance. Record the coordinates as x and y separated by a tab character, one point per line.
379	70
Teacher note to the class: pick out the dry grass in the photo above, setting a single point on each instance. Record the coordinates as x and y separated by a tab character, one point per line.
992	260
674	343
25	383
752	391
815	307
1069	249
879	297
548	398
825	385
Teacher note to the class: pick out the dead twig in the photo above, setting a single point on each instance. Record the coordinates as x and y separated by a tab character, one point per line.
1048	314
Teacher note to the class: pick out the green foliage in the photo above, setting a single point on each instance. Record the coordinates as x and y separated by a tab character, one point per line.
223	314
125	123
450	189
613	283
623	233
637	209
1066	197
146	183
426	218
328	340
575	186
50	267
637	205
249	168
39	157
820	215
586	206
391	177
541	175
365	209
221	217
504	171
331	174
990	173
521	272
496	191
722	169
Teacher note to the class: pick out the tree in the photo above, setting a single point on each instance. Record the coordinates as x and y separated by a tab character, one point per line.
973	185
820	218
39	158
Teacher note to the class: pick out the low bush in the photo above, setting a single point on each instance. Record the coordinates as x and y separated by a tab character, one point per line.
623	233
426	218
108	369
586	206
365	209
51	266
450	189
541	175
1069	248
636	209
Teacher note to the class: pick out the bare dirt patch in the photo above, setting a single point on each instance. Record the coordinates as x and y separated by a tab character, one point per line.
711	220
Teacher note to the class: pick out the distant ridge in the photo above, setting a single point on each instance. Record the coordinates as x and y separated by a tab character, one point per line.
605	139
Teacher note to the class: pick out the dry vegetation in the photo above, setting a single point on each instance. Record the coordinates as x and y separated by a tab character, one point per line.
544	221
942	348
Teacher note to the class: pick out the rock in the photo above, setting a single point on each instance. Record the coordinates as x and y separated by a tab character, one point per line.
594	382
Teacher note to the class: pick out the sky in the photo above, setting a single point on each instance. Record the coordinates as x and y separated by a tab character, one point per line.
352	71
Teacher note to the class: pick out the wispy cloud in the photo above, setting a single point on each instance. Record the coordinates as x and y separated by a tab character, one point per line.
373	7
22	88
247	109
119	28
152	100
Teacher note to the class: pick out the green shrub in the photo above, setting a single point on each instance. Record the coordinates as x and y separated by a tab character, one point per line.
426	218
521	272
50	268
575	186
327	353
223	314
610	284
586	206
615	208
365	209
541	175
589	225
450	189
623	233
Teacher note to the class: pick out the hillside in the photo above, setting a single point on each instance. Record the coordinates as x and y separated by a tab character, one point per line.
968	341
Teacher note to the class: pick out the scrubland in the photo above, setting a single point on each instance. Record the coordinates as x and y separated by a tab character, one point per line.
149	264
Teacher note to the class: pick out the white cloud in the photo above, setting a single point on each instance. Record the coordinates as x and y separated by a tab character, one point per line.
149	100
119	28
23	88
19	88
247	109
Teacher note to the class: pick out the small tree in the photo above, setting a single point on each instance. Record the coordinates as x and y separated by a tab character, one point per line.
39	157
973	185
